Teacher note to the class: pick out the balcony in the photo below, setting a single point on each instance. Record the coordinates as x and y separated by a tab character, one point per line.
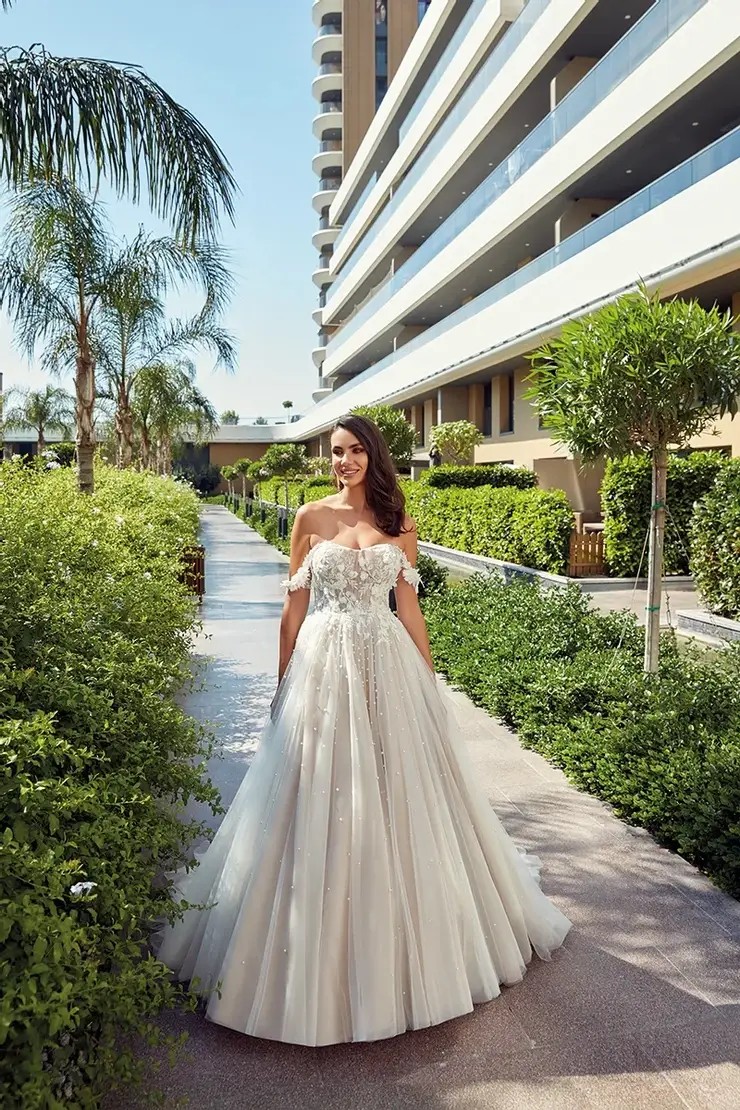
321	274
324	237
326	192
318	315
328	117
323	390
322	9
329	79
319	352
328	38
329	155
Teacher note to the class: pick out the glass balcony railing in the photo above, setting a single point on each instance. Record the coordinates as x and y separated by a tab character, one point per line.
654	28
442	66
708	161
329	29
328	106
329	183
473	95
327	145
329	67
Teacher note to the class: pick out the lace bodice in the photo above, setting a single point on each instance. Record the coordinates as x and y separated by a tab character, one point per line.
350	579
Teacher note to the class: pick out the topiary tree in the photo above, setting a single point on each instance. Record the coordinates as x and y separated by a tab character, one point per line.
396	430
229	416
242	468
256	474
318	466
456	440
286	461
229	475
639	376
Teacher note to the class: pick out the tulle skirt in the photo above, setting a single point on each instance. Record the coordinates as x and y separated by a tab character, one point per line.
360	884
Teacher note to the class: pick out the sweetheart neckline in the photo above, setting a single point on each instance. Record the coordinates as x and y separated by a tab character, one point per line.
346	547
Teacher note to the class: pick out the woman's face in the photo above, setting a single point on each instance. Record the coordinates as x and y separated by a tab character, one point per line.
349	458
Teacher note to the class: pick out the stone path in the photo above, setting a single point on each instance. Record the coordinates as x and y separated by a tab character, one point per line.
638	1011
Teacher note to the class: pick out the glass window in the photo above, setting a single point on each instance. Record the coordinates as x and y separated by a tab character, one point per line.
422	7
487	428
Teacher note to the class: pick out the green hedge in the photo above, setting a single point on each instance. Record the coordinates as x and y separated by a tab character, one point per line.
715	544
625	501
528	527
313	489
470	477
98	758
663	750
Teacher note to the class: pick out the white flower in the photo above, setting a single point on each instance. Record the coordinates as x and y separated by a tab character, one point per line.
95	510
119	520
52	465
147	574
82	888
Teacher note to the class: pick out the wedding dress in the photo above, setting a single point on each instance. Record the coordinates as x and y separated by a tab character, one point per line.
360	884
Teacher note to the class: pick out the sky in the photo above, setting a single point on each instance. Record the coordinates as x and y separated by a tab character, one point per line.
244	69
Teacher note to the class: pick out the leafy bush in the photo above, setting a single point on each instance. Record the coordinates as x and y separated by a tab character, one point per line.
395	429
715	544
664	749
433	575
529	527
64	452
205	480
625	501
95	633
488	474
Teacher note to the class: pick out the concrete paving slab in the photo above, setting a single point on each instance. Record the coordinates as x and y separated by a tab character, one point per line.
638	1009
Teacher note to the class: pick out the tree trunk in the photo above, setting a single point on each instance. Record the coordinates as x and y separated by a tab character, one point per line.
146	448
41	441
244	487
655	559
124	434
85	397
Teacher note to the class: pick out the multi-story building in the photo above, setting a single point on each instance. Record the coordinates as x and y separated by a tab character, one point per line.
529	162
358	46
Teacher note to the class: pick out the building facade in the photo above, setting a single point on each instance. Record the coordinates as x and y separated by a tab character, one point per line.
530	161
358	46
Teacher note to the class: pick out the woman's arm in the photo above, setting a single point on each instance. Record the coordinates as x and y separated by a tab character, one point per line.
296	602
407	603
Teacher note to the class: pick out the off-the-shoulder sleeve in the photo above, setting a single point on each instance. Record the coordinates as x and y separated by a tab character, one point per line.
301	580
410	573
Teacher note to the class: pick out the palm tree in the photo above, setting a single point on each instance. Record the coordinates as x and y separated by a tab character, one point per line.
69	286
132	331
50	409
166	404
89	120
53	268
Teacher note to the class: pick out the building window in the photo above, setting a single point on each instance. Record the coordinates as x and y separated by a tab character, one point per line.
506	403
381	50
422	7
487	428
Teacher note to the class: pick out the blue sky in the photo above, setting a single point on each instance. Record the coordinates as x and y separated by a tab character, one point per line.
245	70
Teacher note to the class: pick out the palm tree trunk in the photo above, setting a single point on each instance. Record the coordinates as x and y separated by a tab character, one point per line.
124	434
85	396
655	560
146	448
41	441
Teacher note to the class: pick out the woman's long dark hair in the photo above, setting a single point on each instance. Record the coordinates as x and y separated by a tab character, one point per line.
383	494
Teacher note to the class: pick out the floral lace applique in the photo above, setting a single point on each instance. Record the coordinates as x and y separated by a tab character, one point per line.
352	579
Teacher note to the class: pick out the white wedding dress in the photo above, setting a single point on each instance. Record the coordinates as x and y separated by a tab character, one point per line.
360	884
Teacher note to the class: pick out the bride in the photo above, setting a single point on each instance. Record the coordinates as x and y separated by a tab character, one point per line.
360	884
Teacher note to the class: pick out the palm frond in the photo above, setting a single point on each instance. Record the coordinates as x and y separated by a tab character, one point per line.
88	119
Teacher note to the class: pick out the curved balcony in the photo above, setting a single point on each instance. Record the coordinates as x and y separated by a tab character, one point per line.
324	237
321	275
318	315
329	156
328	38
318	354
329	79
328	117
324	389
320	9
326	192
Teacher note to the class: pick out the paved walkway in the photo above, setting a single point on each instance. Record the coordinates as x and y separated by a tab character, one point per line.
638	1011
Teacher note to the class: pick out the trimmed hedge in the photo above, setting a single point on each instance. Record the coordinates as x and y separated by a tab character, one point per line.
98	758
663	750
470	477
529	527
715	544
312	489
625	501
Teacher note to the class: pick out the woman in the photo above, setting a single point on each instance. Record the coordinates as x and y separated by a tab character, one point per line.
360	884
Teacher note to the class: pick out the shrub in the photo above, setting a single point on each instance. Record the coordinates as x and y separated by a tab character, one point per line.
95	633
625	501
204	481
664	750
529	527
433	575
488	474
395	429
715	544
